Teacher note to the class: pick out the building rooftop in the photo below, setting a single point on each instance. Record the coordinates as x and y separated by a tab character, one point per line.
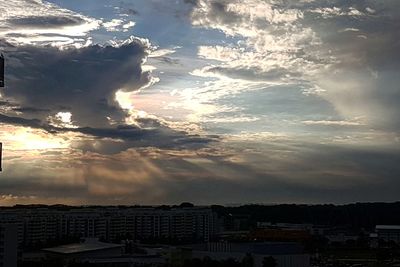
387	227
88	245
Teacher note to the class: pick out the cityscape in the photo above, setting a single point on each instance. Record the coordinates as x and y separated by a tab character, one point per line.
188	235
199	133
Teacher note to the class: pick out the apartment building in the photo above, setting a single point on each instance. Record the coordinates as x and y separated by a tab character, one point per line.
40	225
8	245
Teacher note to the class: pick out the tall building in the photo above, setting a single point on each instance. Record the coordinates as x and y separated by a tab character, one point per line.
182	224
8	245
14	218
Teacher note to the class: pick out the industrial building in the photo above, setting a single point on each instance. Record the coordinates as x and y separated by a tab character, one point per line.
90	249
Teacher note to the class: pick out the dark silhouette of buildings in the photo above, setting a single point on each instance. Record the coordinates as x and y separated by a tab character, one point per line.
41	225
8	245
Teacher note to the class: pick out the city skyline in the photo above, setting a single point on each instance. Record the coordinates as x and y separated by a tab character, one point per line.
205	101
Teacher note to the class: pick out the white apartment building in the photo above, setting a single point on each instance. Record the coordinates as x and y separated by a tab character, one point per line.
39	225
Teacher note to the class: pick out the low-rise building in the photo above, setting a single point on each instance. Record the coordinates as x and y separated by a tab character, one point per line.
388	233
86	251
286	254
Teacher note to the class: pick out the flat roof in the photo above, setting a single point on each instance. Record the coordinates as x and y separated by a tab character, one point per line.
82	247
387	227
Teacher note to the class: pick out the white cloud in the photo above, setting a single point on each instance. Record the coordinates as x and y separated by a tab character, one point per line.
268	42
113	25
350	30
161	52
118	25
220	53
273	40
370	10
128	25
41	23
274	48
331	12
334	123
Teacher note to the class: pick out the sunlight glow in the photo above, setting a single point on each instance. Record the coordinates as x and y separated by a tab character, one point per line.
29	139
65	117
124	100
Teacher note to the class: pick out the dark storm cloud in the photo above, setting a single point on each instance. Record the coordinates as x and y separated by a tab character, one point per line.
33	123
45	80
46	22
84	81
30	110
312	173
168	60
123	131
118	138
309	173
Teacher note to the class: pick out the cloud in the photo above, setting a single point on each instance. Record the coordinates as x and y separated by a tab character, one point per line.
343	51
45	22
265	46
53	68
112	25
193	2
304	95
52	79
116	25
39	22
295	172
333	123
273	40
118	138
45	82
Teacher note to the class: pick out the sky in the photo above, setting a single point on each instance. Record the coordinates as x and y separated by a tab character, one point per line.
207	101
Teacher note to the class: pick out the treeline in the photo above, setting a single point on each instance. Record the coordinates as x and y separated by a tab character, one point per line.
357	216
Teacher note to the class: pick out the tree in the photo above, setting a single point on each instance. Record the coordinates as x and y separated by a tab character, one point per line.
186	205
